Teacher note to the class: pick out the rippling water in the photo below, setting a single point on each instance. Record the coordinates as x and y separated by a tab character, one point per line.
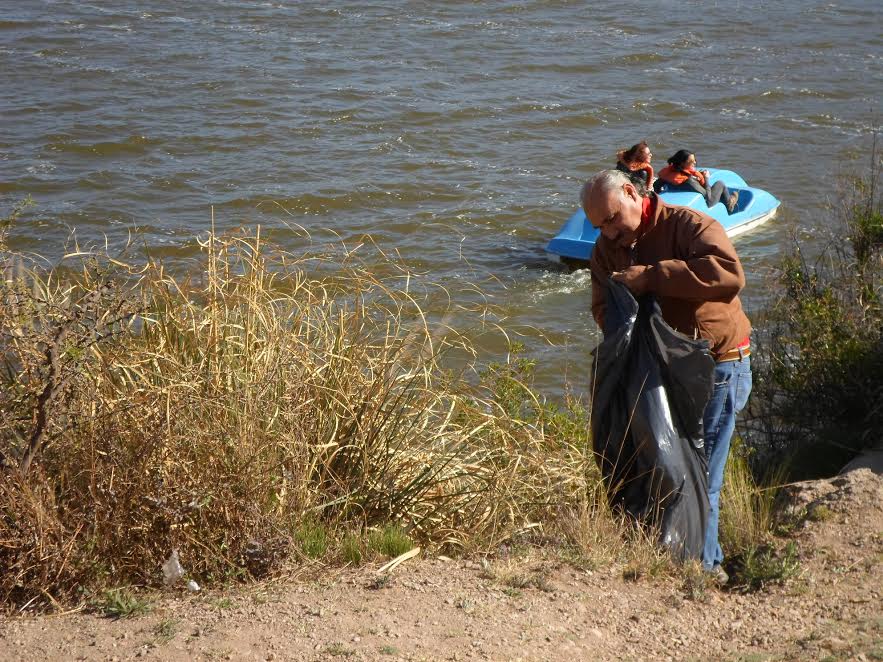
456	133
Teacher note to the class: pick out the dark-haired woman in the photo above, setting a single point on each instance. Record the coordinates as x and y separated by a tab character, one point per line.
681	175
635	162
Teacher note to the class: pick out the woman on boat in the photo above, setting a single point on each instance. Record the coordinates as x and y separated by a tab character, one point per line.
635	162
681	175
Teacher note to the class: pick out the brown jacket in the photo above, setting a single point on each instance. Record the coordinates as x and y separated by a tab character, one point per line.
694	273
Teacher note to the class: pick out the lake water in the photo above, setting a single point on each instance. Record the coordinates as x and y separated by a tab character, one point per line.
456	134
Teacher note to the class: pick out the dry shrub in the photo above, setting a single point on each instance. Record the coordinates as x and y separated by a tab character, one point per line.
819	378
217	414
601	537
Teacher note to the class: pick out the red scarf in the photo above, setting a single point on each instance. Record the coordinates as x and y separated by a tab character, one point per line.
648	209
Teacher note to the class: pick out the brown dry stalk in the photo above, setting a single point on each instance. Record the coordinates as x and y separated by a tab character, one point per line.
259	410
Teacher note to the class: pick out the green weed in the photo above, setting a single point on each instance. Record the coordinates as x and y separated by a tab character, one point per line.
223	603
351	549
312	539
381	581
165	630
339	650
820	513
695	582
760	566
390	541
122	603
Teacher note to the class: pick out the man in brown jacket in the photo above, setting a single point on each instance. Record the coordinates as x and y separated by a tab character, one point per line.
686	260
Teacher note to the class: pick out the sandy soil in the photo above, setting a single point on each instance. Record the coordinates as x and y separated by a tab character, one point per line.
531	609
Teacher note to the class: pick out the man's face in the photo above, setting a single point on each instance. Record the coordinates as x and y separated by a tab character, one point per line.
616	212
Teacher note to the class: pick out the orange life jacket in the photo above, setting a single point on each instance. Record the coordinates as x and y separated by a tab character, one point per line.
638	167
677	176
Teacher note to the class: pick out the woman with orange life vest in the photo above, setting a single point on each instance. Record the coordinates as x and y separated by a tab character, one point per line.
681	175
635	162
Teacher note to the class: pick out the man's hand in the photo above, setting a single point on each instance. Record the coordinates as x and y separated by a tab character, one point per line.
636	278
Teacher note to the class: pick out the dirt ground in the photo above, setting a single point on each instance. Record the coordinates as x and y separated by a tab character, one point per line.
531	609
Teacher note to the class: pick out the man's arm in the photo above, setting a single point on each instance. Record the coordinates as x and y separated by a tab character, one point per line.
710	271
599	300
600	273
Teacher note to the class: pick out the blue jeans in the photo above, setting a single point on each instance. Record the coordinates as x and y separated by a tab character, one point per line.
732	384
717	193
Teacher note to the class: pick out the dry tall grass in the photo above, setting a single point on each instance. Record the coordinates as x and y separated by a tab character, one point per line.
266	407
747	506
218	415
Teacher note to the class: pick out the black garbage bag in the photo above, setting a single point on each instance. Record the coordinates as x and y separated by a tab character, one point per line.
651	385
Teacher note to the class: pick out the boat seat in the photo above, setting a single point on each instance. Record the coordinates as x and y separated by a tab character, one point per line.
697	200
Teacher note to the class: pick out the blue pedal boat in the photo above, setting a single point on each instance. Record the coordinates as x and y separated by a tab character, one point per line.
574	242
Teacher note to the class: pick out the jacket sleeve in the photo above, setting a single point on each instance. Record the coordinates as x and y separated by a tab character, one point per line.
600	274
710	269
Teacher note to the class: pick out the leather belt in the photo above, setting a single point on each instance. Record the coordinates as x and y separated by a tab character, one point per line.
735	354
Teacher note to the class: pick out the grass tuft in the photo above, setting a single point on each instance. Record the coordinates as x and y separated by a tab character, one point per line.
165	630
381	581
748	507
820	513
696	582
351	549
762	565
312	539
390	541
337	649
121	603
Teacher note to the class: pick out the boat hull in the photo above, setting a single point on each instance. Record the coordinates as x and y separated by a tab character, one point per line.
574	242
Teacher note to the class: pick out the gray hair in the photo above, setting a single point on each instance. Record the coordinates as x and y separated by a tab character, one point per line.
607	180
